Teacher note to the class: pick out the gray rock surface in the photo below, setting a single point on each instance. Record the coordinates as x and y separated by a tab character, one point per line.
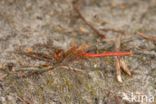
26	23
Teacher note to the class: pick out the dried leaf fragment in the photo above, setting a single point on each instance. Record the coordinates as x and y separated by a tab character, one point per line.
29	50
118	70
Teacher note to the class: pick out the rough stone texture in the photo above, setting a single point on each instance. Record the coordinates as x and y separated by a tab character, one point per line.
30	22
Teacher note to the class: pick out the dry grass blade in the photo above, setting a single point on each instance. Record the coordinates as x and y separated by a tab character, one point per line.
73	69
125	67
152	38
118	70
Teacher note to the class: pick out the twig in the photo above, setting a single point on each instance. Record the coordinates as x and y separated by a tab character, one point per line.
76	8
152	38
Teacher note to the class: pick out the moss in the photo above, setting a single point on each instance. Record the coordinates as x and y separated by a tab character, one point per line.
39	91
90	89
